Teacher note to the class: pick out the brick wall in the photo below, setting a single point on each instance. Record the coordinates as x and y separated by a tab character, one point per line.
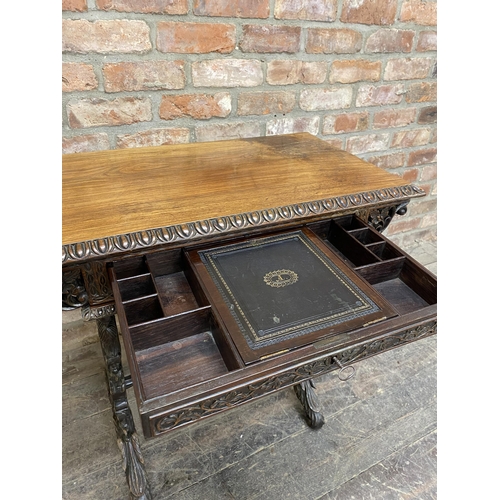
360	74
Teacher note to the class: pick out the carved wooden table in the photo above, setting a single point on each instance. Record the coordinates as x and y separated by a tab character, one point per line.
164	238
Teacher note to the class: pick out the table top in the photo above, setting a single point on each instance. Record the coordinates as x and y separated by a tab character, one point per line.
110	197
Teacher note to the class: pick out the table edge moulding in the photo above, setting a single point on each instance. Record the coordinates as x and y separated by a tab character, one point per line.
137	225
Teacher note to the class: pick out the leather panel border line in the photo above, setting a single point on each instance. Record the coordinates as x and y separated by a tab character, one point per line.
191	231
162	423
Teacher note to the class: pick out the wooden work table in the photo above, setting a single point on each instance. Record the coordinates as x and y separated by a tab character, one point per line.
144	231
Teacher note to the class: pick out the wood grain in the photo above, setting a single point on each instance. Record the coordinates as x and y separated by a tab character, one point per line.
108	193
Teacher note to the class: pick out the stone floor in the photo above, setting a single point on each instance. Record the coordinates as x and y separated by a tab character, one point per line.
379	440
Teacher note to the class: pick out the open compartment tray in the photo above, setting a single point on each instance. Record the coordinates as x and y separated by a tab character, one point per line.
188	357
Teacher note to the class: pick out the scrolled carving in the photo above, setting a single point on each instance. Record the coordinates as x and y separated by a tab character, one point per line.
176	418
73	290
221	225
379	218
96	280
310	402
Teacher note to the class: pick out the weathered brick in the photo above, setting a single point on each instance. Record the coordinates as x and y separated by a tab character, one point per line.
150	7
105	37
195	38
75	5
101	112
325	98
393	160
336	143
390	40
367	143
227	73
370	95
85	143
143	75
422	157
347	122
428	173
411	138
291	71
402	226
198	106
309	10
422	12
429	220
410	175
388	118
427	40
379	12
427	115
357	70
153	137
78	76
265	103
409	68
281	126
422	206
232	8
333	40
266	38
222	131
421	92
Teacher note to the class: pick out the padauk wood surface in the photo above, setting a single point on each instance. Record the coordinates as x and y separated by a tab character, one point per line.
114	192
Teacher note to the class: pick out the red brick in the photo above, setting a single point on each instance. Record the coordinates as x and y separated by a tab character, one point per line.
357	70
410	175
388	118
75	5
429	173
198	106
370	95
429	220
336	143
402	226
421	12
101	112
421	92
281	126
422	206
265	103
422	157
333	40
379	12
232	8
393	160
390	40
105	37
427	115
309	10
78	76
195	38
347	122
85	143
291	71
367	143
408	68
266	38
222	131
150	7
227	73
411	138
153	137
427	40
143	75
315	99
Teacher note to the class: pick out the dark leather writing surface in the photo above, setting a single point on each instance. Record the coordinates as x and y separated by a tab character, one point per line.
282	287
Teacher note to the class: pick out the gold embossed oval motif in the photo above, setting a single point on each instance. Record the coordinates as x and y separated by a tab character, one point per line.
280	278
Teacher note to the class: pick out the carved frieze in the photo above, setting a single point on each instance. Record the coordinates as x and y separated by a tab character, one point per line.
221	225
97	283
234	398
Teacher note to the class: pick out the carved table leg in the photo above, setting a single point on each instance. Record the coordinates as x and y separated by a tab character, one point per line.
133	462
310	402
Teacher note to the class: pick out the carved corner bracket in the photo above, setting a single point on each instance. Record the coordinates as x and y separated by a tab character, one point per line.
380	217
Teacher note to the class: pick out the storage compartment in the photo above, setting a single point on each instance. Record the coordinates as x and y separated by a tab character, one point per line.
404	283
172	334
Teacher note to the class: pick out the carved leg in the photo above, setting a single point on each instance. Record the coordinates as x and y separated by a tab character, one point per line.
310	402
133	462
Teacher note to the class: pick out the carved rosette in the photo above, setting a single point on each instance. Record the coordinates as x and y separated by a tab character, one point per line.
231	399
193	231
